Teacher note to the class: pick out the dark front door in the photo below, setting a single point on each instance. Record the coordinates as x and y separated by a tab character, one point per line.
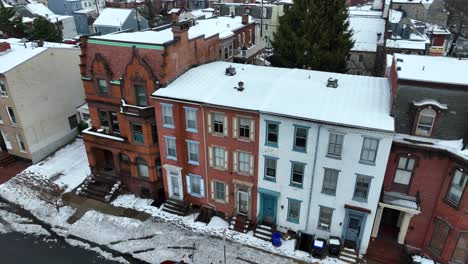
354	228
269	208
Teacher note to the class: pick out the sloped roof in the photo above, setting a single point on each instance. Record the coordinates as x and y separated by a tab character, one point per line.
112	17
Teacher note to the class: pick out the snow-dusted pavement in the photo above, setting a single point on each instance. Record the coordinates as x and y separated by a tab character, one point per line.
160	238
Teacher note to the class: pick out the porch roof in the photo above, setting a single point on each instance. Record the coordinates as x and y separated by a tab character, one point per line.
401	201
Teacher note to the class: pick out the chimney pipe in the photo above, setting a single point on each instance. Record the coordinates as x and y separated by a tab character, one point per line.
245	19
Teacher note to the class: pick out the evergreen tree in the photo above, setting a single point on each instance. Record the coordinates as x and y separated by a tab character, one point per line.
42	29
11	24
313	34
149	13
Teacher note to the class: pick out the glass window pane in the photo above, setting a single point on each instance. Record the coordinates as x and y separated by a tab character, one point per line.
439	236
460	254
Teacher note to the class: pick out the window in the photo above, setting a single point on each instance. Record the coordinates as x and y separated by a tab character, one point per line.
20	141
300	138
369	150
171	150
244	128
5	138
115	123
325	218
191	119
73	121
220	191
361	189
168	117
244	162
3	90
330	180
1	119
195	186
404	171
219	157
11	114
124	158
272	130
348	57
457	186
294	211
193	157
226	53
264	12
102	86
425	122
460	254
361	58
103	119
297	174
140	93
142	167
137	133
439	236
218	123
335	144
266	26
154	133
158	167
270	168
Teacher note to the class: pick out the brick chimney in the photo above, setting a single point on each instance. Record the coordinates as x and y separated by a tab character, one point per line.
180	30
245	19
4	46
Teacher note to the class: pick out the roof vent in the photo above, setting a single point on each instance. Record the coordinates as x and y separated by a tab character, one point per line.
398	68
230	71
399	60
332	83
240	87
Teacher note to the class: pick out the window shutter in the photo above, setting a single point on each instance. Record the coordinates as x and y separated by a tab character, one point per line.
225	125
226	195
235	156
235	127
210	156
212	190
252	130
202	187
187	182
226	159
210	124
251	164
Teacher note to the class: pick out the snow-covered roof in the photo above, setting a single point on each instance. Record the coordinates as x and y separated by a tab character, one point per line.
41	10
224	26
412	1
432	69
19	53
395	16
432	102
364	10
112	17
365	32
359	101
400	200
199	13
174	10
453	146
406	44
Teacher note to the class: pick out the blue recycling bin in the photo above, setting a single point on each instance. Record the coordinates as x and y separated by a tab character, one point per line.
276	239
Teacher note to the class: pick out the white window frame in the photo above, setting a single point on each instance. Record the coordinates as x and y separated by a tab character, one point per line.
215	191
369	182
6	139
3	90
167	139
460	176
19	140
219	161
190	179
9	115
321	224
188	111
167	111
191	144
249	167
433	114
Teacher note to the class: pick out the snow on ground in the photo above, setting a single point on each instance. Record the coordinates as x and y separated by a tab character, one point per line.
10	222
106	255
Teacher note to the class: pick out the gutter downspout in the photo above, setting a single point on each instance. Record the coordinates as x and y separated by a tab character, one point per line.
207	190
313	176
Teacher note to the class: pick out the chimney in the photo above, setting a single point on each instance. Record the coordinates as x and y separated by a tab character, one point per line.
245	19
180	30
4	46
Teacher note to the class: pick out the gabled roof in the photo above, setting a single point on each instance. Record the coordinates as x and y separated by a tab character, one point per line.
432	69
112	17
358	101
366	32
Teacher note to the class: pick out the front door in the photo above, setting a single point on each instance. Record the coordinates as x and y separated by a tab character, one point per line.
176	187
269	208
243	202
354	228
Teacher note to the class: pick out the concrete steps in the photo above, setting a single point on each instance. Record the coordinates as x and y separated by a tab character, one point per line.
348	255
239	223
264	232
174	206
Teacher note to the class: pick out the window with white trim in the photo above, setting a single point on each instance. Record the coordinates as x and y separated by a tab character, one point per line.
142	166
195	185
219	157
6	139
244	128
3	90
171	149
369	150
191	119
457	187
168	115
21	144
244	162
404	170
325	218
270	168
425	123
11	114
193	152
330	181
361	188
218	123
219	191
335	144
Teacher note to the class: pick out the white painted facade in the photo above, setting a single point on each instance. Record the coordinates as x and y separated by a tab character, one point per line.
316	160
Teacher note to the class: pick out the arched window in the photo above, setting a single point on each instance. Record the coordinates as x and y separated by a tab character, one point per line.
143	170
425	122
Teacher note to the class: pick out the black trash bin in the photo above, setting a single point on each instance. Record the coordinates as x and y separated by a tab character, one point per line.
334	246
318	248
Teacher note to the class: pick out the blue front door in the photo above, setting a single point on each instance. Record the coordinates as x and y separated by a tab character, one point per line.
269	208
354	228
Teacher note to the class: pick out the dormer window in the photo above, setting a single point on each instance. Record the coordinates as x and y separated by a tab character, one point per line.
425	124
